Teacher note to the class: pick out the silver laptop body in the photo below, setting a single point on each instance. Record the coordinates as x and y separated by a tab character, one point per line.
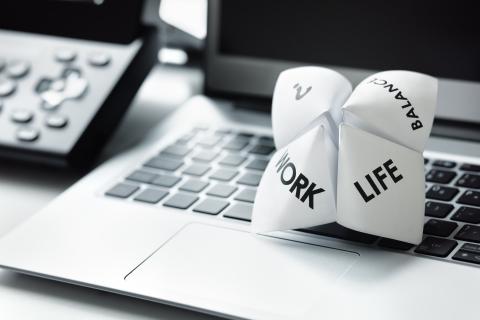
168	220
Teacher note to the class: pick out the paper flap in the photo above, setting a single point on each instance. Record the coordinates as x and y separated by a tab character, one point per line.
381	188
303	94
298	187
396	105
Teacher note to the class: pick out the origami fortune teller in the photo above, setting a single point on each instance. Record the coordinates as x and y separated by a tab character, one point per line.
354	157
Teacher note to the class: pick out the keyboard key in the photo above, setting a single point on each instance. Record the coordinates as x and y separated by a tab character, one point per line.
470	197
222	132
245	135
205	156
258	164
165	180
211	206
438	247
469	252
470	167
250	179
181	201
185	139
22	116
475	248
247	195
164	163
7	87
441	193
440	176
444	164
224	174
18	68
151	195
196	169
394	244
425	160
467	256
469	180
335	230
232	160
240	211
209	141
439	228
467	214
122	190
194	185
222	190
266	141
236	144
261	150
56	121
176	151
469	233
437	209
142	176
27	134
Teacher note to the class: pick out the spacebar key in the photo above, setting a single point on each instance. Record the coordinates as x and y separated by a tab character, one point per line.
335	230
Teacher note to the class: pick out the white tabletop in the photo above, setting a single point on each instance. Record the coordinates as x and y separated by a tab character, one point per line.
26	189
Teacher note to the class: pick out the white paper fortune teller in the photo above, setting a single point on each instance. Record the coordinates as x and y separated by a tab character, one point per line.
350	157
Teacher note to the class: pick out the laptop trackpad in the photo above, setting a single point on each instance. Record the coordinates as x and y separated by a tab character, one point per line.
213	267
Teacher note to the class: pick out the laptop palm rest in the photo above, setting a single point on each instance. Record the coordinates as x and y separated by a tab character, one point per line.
211	266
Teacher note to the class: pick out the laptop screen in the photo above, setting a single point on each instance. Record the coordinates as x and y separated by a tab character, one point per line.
102	20
250	42
440	38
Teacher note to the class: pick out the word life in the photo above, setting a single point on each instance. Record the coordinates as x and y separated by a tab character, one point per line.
380	177
298	183
415	124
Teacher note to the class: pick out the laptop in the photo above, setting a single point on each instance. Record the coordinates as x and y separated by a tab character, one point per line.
169	220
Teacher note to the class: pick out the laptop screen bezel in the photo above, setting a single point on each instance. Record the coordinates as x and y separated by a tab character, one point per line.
254	78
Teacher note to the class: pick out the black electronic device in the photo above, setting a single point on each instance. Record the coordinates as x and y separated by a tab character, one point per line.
68	72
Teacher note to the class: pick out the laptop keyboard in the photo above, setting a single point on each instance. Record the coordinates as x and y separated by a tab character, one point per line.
216	173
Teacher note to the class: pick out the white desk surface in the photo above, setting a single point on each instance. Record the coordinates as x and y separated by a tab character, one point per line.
25	189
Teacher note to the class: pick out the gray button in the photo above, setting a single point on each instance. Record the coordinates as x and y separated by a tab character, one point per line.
166	180
221	190
163	163
240	211
43	85
27	134
142	176
211	206
224	174
99	59
65	55
258	164
194	185
56	121
247	195
151	195
122	190
250	179
181	201
196	169
232	160
18	68
22	116
7	87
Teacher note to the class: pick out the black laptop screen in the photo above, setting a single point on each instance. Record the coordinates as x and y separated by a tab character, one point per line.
441	38
103	20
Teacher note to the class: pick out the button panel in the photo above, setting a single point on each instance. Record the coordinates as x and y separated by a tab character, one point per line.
26	134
